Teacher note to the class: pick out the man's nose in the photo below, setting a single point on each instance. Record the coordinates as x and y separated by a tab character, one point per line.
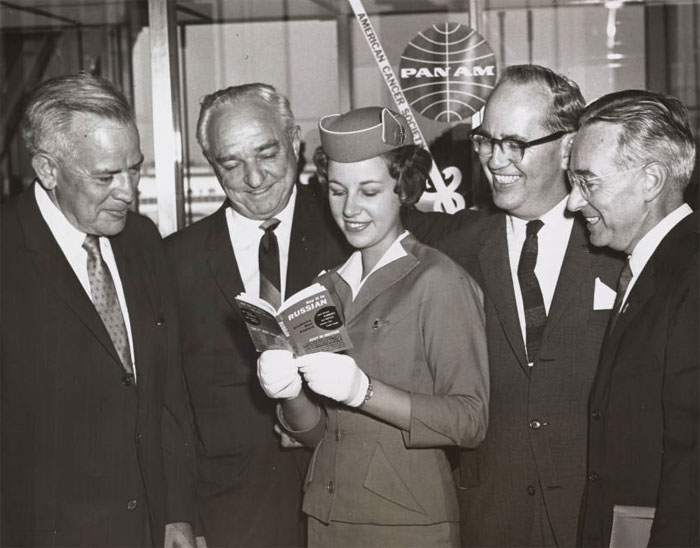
254	176
125	188
576	200
498	158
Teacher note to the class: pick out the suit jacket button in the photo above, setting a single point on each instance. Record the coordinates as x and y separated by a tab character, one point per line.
160	322
535	424
596	414
593	476
331	487
531	490
131	505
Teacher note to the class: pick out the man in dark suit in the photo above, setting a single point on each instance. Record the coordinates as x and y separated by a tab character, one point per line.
630	164
249	487
547	301
95	433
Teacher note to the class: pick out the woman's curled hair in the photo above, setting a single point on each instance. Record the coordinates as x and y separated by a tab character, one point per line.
409	165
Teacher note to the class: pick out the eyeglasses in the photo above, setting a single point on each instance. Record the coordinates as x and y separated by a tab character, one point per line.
583	183
513	149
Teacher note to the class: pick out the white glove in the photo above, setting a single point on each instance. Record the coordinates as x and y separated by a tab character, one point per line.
335	376
278	374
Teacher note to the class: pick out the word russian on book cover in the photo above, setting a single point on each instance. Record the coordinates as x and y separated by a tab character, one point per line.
307	322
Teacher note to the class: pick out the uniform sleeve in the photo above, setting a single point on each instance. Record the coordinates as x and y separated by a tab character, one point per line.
676	522
454	337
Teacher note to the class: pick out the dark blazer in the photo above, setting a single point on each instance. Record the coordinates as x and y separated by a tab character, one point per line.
522	486
85	460
645	406
249	488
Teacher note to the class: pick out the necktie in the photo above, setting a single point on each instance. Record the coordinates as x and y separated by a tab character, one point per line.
535	315
269	263
622	284
106	302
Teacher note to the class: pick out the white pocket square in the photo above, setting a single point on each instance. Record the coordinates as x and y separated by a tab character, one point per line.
603	296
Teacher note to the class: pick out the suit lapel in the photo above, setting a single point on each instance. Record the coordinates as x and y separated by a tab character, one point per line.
54	267
641	292
498	283
222	260
140	295
574	270
304	248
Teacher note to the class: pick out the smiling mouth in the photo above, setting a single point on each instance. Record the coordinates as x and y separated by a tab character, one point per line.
505	180
354	226
592	220
260	191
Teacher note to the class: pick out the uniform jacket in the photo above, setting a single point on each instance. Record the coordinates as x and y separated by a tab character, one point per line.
249	488
416	324
645	405
522	486
86	461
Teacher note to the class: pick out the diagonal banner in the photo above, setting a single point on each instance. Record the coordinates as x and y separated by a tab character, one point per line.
446	196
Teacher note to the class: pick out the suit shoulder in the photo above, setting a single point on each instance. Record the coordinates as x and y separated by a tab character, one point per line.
141	226
192	236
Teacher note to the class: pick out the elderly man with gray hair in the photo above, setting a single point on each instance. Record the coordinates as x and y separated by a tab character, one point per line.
631	162
95	436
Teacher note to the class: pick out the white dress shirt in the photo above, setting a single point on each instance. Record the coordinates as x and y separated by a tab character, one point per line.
351	271
552	241
245	235
70	240
645	247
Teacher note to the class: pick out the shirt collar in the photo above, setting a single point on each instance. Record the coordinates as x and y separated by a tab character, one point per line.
351	270
553	219
61	228
244	229
645	247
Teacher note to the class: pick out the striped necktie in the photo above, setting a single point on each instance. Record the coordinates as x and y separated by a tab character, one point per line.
106	302
269	264
535	314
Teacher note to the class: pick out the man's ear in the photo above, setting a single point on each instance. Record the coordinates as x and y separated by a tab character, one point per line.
655	180
296	140
566	143
46	170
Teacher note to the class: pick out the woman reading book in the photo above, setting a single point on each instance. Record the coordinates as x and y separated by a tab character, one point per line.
416	380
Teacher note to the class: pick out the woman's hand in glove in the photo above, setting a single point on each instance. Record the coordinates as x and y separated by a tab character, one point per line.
278	374
335	376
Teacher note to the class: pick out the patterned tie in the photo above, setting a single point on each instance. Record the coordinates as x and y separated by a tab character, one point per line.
535	315
269	263
106	302
622	285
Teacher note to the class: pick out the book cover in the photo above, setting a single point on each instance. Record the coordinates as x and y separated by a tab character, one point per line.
308	321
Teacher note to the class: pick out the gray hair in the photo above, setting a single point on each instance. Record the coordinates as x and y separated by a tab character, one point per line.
654	127
235	94
52	106
567	100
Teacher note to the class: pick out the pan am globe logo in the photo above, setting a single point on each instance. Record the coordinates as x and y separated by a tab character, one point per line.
447	72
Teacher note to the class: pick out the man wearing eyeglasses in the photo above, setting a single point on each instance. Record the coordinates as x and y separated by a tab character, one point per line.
545	321
630	164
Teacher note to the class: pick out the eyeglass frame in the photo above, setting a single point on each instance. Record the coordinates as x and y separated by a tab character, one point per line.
522	145
582	182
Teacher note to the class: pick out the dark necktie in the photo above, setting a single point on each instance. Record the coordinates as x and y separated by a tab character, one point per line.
622	284
106	302
535	315
269	263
